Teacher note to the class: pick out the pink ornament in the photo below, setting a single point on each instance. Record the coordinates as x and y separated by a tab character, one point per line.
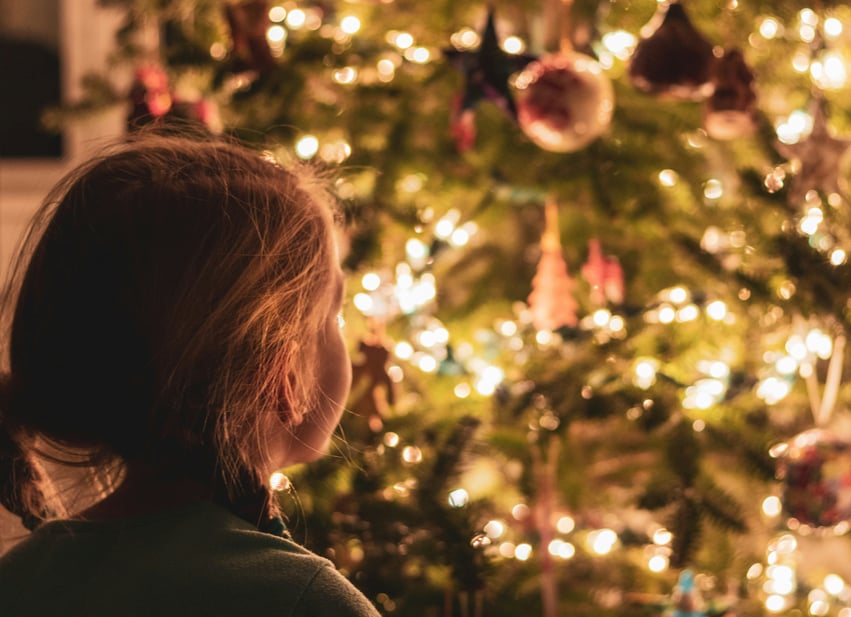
551	302
604	275
564	101
815	468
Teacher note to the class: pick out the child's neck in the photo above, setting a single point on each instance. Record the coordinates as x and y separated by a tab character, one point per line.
144	491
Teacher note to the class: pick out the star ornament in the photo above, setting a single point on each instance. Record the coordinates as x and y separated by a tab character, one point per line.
817	159
486	71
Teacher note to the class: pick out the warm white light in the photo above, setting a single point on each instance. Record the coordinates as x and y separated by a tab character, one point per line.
829	73
716	310
662	537
513	45
494	529
307	146
677	295
522	552
834	584
688	313
771	506
427	363
565	524
363	302
713	189
645	373
601	317
350	24
459	237
463	390
657	563
620	42
772	390
468	37
667	314
420	55
277	14
769	27
602	541
787	365
412	454
775	603
296	19
838	257
371	281
668	177
832	27
416	249
458	498
276	34
279	482
520	511
391	440
346	75
403	350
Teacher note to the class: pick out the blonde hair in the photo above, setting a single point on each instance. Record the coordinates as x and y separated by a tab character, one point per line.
167	299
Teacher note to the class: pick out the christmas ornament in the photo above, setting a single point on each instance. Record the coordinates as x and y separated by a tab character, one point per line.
150	96
815	470
486	71
564	101
817	159
248	23
604	274
372	388
672	58
731	110
686	600
551	302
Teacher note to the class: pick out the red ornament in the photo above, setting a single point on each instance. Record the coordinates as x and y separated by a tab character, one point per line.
248	23
673	58
551	301
564	101
150	96
815	467
731	110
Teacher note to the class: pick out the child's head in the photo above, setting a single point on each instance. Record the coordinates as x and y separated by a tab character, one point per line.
177	310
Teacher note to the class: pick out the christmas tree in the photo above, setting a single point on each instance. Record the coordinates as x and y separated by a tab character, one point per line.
665	433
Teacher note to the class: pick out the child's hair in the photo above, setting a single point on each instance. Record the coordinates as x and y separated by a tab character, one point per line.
165	302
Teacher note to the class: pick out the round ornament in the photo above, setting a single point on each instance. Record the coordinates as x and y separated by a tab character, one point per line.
564	101
815	468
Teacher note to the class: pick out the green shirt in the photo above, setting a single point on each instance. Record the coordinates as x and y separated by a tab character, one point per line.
192	561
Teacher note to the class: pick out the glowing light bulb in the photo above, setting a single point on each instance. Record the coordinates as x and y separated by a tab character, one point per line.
668	177
296	19
371	281
523	551
458	498
350	24
513	45
565	524
771	506
657	563
307	146
769	28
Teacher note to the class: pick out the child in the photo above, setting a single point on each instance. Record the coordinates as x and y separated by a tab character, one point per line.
174	325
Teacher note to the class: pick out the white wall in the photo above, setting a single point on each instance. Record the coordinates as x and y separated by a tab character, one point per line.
85	33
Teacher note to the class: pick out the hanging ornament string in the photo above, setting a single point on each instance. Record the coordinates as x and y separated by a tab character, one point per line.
565	44
822	406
